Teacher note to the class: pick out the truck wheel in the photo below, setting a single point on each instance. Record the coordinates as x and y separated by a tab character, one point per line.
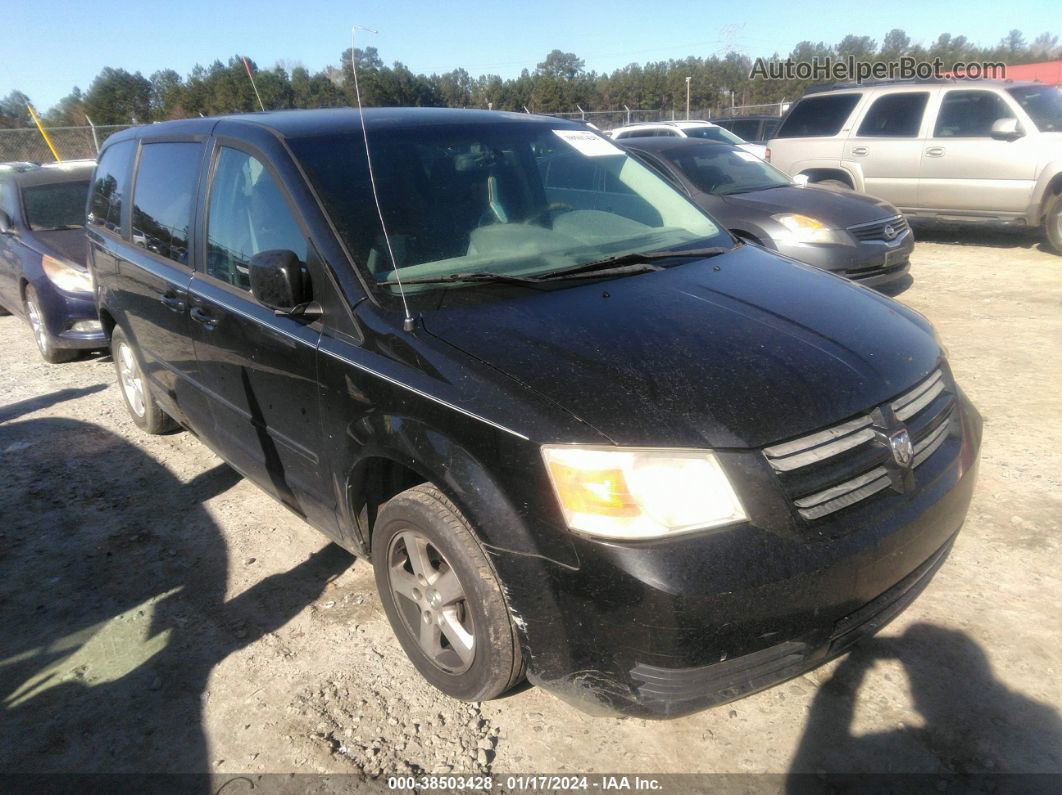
834	183
443	598
143	408
45	344
1053	224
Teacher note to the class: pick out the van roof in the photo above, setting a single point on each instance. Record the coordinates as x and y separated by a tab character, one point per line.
303	123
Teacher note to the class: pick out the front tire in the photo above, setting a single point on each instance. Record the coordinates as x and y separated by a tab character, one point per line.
443	597
1053	224
834	183
45	344
143	408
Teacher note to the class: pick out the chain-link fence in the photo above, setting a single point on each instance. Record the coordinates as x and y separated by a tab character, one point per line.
72	143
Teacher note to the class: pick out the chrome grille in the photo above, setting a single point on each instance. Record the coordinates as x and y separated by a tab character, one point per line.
875	230
831	469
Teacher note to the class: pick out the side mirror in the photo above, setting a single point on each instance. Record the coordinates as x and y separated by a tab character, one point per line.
1006	130
7	227
801	180
280	280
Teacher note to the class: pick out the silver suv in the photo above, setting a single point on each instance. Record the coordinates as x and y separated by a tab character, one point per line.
984	151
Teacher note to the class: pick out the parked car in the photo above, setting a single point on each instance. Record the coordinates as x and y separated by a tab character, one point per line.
754	129
703	130
985	152
578	429
43	277
860	237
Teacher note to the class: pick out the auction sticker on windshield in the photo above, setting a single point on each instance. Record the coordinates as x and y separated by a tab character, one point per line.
587	143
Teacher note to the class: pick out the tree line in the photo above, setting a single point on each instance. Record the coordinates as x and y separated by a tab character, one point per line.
560	83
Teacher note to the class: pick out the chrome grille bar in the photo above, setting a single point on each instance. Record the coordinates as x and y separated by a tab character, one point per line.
926	447
847	493
818	446
918	398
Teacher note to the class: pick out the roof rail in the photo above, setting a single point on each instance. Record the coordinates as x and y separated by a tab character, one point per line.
818	88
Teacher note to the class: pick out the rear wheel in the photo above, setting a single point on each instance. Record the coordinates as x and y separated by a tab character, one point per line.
143	408
45	344
1053	224
443	598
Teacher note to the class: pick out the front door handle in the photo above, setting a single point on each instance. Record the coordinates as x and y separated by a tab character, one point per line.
203	318
172	302
860	150
935	151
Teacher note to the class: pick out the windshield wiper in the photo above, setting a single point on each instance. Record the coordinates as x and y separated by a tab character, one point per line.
487	276
636	258
476	276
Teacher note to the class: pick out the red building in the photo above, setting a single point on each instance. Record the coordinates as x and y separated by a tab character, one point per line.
1049	72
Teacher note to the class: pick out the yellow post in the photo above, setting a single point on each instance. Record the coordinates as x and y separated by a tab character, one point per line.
44	135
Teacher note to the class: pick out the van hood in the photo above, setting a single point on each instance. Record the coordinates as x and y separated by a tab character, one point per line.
738	351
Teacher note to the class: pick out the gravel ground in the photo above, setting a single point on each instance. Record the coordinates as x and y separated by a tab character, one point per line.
158	613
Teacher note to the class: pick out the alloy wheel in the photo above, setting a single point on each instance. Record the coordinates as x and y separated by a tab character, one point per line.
431	601
40	333
131	380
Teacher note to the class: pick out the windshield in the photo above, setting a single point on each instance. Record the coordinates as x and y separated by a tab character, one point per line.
514	199
60	205
722	170
1042	103
713	134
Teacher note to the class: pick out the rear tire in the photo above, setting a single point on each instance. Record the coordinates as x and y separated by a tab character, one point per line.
1053	224
443	597
143	408
45	343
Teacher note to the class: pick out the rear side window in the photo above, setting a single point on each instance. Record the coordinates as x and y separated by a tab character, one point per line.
970	114
60	205
749	129
895	115
110	186
818	116
248	215
162	202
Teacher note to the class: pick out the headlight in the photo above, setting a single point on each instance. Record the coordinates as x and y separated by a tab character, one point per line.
65	276
805	229
639	493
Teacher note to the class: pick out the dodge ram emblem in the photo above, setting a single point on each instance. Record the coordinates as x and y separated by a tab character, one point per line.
902	449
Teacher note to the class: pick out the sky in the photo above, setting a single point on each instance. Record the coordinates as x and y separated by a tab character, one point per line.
52	46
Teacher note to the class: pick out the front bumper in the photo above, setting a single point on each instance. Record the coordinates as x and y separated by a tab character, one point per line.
663	629
63	311
873	263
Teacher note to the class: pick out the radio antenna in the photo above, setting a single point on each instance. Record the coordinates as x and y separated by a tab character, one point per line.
407	324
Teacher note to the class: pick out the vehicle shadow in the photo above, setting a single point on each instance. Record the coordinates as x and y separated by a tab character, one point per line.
897	287
969	235
972	724
113	603
13	410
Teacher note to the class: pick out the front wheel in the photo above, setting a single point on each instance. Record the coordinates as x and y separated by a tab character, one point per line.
834	183
45	344
143	408
443	598
1053	224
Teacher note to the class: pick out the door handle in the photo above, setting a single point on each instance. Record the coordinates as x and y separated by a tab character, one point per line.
935	151
203	318
860	150
172	302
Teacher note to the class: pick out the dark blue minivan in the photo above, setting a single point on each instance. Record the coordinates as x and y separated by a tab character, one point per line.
43	277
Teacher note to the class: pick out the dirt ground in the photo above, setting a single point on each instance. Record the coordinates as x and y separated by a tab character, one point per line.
158	613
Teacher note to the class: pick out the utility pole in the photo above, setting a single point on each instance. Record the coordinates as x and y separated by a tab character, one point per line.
687	97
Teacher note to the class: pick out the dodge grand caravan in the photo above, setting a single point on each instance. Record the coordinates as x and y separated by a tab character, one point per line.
580	430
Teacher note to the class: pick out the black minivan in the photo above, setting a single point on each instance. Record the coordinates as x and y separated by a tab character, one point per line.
582	432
